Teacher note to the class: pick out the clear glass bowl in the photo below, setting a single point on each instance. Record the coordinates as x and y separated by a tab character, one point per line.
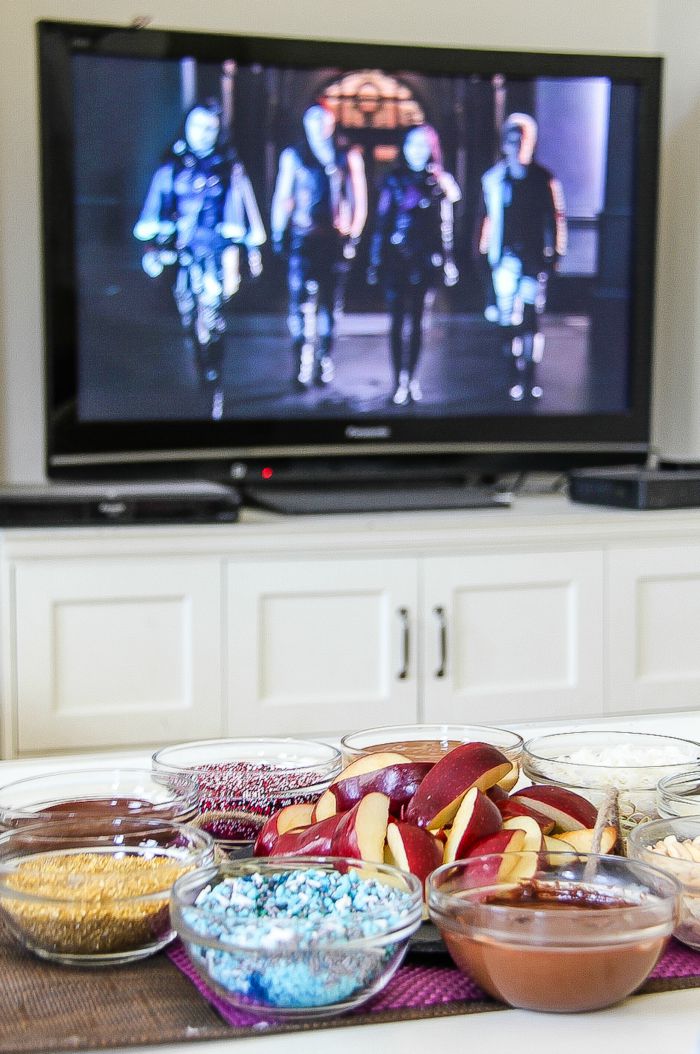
574	932
241	782
430	742
679	793
98	792
640	846
89	891
287	968
590	762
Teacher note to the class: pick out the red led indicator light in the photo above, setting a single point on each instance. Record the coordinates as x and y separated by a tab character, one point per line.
266	473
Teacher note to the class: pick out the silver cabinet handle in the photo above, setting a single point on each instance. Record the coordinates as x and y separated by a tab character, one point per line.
406	644
439	613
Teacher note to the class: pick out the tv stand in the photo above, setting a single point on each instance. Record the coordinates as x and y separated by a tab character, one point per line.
374	497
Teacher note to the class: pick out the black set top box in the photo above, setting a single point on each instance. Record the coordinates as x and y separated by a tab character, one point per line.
84	504
636	488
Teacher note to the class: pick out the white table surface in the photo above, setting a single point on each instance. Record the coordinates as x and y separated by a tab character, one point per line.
659	1023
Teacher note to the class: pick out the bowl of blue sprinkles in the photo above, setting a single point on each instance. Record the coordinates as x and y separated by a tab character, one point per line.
293	937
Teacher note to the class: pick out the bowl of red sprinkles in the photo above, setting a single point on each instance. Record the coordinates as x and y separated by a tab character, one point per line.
241	782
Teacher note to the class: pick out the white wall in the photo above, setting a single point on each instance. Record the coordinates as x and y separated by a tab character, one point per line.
633	26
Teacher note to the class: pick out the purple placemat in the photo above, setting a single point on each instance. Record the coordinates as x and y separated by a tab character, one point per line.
414	988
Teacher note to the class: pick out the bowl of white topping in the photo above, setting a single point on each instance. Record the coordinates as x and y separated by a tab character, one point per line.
592	762
673	844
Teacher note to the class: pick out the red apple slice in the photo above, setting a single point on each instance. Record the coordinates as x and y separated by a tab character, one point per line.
534	839
291	816
361	832
326	806
560	846
370	762
581	839
499	851
440	795
398	782
568	810
315	840
412	848
477	817
513	807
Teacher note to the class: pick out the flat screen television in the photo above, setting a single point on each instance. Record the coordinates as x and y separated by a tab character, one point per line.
286	262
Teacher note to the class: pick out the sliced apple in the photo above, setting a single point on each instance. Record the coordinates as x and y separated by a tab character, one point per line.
534	839
369	762
412	848
361	832
300	814
512	808
398	782
569	810
315	840
560	846
477	817
440	794
510	779
581	839
499	858
327	805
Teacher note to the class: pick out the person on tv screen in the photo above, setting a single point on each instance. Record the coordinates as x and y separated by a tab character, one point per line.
523	236
411	246
199	212
319	206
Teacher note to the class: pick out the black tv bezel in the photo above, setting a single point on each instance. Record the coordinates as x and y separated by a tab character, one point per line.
130	448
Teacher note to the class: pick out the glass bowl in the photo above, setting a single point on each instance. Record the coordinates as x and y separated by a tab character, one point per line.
90	891
431	742
590	762
241	782
653	842
97	792
290	962
679	794
561	932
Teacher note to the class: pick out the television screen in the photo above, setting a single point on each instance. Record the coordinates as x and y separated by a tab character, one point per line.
260	248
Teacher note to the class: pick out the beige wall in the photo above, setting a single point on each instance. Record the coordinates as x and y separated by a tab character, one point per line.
633	26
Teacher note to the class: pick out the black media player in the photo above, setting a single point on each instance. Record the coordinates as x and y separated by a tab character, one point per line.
91	504
636	488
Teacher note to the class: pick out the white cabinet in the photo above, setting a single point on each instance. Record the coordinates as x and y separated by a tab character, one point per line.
126	637
512	634
320	644
325	645
116	652
654	619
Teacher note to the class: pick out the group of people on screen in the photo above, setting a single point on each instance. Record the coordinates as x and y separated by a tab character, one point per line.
201	212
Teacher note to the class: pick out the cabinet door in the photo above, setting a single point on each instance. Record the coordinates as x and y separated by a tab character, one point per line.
320	645
117	652
515	637
653	622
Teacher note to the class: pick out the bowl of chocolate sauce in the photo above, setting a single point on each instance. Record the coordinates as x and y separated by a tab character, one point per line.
558	932
98	793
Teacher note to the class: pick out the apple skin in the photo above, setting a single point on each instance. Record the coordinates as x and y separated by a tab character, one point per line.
289	818
315	840
493	858
440	794
412	848
361	832
568	810
370	763
398	782
476	818
511	808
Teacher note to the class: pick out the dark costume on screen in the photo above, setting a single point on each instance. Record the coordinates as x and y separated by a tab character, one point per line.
411	247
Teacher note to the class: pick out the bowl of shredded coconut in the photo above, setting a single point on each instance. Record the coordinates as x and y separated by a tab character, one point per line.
591	762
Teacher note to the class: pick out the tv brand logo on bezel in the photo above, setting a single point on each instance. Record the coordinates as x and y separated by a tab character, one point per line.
374	432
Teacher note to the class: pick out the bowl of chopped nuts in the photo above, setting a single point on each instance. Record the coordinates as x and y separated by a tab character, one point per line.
88	891
673	844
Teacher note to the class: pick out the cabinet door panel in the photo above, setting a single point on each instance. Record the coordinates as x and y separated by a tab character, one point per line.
318	646
117	653
523	637
654	626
